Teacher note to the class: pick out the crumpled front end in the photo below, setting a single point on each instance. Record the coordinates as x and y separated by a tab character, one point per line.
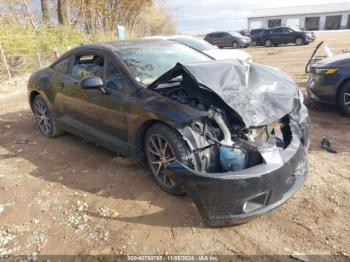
235	197
248	154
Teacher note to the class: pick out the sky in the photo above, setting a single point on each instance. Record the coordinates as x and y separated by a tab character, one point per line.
202	16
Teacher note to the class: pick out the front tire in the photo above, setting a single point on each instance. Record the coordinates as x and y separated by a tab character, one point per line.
164	145
268	43
44	118
344	98
235	45
299	41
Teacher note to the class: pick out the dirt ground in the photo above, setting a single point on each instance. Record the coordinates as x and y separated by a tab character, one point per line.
67	196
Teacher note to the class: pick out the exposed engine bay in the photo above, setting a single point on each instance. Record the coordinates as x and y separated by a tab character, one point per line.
221	142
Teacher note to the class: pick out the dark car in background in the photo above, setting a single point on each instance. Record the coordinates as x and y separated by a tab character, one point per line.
256	36
286	35
329	81
228	39
177	109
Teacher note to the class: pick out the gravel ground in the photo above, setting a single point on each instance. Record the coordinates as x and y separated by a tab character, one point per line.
67	196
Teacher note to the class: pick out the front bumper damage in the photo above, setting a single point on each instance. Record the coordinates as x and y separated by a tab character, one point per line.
237	197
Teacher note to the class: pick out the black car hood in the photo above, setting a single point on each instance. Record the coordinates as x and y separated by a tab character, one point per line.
336	60
259	94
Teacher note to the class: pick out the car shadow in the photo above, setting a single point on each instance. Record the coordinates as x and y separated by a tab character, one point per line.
83	166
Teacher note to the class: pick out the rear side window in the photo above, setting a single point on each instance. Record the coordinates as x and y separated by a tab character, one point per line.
276	31
254	32
212	35
61	66
87	65
287	30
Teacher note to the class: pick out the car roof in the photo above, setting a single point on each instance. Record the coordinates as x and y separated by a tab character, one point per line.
165	37
122	44
216	32
115	46
279	27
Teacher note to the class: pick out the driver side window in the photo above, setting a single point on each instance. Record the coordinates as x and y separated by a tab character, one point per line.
87	65
114	78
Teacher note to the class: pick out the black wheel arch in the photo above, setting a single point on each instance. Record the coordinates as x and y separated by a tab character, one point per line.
339	87
140	135
300	36
33	94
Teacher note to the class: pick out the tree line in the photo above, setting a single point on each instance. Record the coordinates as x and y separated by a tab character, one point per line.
140	17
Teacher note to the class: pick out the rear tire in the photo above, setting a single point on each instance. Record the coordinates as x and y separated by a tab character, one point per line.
299	41
163	145
44	118
344	98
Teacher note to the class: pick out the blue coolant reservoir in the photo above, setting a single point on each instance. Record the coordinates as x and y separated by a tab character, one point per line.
233	159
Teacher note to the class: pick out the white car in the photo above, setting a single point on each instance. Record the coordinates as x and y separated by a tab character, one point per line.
207	48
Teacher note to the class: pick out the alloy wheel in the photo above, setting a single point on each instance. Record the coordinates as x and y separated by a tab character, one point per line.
42	116
299	41
347	99
160	154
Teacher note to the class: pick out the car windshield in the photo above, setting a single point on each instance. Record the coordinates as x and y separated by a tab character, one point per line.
198	44
148	63
296	29
236	34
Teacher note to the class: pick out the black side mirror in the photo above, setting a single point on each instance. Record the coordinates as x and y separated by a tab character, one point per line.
91	82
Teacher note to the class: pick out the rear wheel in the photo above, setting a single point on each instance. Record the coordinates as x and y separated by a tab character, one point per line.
344	98
299	41
44	118
268	43
164	145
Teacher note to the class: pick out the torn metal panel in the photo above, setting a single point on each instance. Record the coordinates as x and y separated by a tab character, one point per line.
259	94
236	197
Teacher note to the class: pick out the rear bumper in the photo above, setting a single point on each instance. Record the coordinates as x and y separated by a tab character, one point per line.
237	197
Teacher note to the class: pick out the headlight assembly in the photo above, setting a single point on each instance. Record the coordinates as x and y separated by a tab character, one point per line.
326	71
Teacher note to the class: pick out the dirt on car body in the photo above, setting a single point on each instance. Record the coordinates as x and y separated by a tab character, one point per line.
67	196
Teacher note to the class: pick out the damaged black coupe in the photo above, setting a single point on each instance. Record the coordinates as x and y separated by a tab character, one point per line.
232	135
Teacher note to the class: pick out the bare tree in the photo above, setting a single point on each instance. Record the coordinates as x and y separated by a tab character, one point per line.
29	14
63	12
45	12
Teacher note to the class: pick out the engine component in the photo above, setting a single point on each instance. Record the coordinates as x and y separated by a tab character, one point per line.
227	141
233	158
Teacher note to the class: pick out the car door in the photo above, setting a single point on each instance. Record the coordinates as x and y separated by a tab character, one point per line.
96	114
276	36
288	35
227	40
219	40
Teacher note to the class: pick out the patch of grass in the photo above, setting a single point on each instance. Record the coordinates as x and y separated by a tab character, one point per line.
19	40
23	46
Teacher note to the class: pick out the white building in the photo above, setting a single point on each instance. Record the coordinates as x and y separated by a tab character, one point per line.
309	17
